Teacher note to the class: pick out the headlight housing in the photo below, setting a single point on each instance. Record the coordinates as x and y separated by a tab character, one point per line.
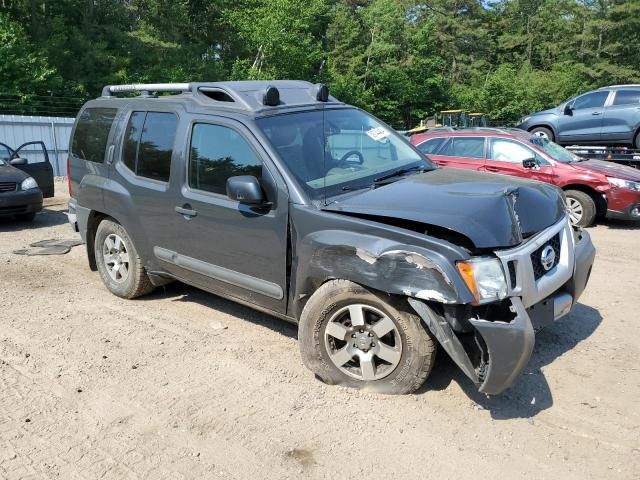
620	183
485	278
524	119
28	183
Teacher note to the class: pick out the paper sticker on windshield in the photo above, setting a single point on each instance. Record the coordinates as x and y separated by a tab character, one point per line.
378	134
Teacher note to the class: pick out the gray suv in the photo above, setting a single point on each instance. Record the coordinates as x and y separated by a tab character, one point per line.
607	116
278	196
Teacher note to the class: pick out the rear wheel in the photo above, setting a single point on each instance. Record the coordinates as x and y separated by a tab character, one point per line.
118	262
543	132
582	208
636	142
351	336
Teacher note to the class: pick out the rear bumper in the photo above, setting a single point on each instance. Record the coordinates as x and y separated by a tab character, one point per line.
623	204
72	216
506	345
17	203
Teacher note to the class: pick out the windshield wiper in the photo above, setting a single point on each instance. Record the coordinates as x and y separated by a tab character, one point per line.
356	187
400	172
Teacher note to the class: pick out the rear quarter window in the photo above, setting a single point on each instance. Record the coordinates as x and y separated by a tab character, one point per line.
627	97
91	133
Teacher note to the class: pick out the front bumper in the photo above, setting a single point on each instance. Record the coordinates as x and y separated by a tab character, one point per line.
20	202
505	345
623	204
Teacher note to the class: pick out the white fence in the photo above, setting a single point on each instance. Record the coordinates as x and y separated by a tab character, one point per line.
55	132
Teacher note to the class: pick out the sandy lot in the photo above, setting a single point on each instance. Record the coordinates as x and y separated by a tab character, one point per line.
182	384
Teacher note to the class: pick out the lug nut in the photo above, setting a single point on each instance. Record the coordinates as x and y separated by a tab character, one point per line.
361	331
353	335
370	334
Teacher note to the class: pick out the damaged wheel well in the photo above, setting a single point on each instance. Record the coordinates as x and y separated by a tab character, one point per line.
93	221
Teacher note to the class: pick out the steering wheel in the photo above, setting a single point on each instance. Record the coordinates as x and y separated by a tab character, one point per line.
350	153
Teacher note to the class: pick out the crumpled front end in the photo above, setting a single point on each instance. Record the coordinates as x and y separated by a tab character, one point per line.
493	343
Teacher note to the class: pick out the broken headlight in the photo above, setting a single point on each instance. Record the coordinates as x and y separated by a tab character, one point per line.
485	278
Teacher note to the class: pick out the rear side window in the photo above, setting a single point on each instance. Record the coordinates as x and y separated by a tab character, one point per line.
91	134
627	97
218	153
470	147
431	145
148	144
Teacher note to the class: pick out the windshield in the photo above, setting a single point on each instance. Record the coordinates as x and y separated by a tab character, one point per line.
554	150
332	151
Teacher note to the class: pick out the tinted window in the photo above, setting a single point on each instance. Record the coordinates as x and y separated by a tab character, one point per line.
156	146
627	97
470	147
591	100
431	146
509	151
148	144
91	134
132	139
218	153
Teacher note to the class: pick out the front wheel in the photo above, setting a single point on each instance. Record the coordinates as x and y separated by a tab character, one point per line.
581	207
543	132
118	262
636	142
351	336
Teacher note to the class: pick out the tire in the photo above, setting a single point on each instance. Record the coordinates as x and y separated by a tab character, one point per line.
543	132
636	141
398	362
112	247
582	208
26	217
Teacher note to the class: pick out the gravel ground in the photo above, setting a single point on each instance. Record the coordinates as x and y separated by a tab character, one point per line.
183	384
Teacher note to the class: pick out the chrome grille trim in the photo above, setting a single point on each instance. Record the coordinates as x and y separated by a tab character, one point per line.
533	290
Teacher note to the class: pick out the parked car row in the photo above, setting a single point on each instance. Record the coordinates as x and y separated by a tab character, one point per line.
593	188
23	184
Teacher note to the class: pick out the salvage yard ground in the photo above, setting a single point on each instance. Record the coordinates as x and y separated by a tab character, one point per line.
183	384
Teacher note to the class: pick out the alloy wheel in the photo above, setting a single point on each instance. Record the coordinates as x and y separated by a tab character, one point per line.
575	210
363	342
116	258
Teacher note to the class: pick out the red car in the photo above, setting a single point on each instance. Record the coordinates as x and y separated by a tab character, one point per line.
593	188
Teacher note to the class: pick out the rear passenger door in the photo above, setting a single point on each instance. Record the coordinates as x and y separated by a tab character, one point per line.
461	152
221	244
622	117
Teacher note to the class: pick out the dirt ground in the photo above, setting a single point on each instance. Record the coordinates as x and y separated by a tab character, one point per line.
182	384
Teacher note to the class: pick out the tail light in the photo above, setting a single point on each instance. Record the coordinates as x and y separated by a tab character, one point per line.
69	176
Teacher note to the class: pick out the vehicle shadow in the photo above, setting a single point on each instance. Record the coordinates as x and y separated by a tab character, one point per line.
185	293
531	393
48	217
615	224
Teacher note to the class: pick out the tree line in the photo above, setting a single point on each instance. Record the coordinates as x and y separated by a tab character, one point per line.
401	59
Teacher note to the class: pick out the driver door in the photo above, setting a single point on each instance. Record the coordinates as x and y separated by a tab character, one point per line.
585	119
38	165
506	156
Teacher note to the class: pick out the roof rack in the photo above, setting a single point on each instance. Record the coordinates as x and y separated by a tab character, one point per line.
109	90
619	86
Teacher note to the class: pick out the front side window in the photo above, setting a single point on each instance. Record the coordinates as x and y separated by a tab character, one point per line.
503	150
627	97
336	150
218	153
431	145
469	147
91	133
148	144
591	100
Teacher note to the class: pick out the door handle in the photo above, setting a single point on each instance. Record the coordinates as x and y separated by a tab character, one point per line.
186	210
596	113
492	169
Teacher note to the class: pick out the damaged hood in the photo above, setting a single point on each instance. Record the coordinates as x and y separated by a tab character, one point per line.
610	169
492	211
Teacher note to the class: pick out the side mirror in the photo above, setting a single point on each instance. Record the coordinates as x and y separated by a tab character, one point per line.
18	161
568	110
245	189
529	163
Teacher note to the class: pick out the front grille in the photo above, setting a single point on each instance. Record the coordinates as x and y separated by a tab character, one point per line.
8	186
539	269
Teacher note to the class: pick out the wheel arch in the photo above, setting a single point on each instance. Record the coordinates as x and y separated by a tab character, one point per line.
93	220
545	125
599	200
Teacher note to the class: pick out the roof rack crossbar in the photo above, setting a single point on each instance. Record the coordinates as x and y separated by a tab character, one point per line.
109	90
